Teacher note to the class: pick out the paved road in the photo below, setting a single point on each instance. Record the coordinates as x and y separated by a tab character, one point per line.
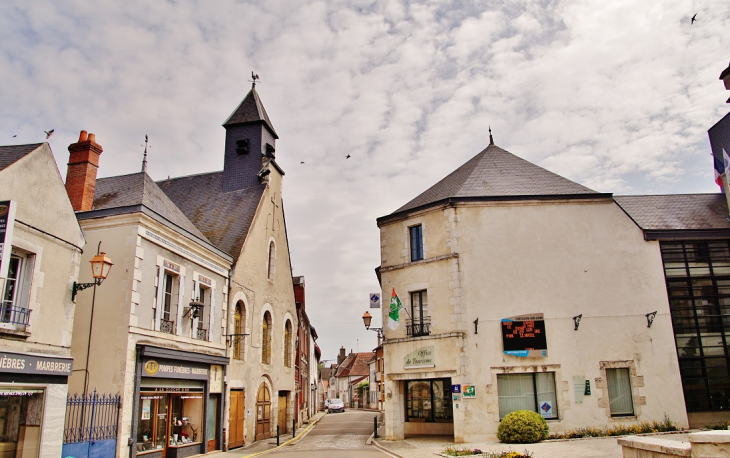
338	435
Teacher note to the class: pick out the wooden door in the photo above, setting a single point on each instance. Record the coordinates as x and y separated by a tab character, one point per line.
235	423
263	413
281	420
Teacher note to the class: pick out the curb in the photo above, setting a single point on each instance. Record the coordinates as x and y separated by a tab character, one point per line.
291	441
375	443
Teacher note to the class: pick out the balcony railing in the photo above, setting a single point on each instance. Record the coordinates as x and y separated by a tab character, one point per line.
167	326
418	327
201	334
14	315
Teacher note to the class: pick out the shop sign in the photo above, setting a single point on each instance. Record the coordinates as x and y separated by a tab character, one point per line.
18	363
456	389
419	359
170	389
165	368
470	392
524	335
546	409
7	218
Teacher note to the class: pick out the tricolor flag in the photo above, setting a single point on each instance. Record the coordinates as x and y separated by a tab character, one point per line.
719	169
395	306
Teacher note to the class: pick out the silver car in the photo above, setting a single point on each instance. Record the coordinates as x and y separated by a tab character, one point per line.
336	405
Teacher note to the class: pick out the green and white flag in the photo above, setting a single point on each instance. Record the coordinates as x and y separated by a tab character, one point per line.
395	306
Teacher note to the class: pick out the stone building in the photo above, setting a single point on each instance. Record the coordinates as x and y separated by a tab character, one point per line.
522	290
40	256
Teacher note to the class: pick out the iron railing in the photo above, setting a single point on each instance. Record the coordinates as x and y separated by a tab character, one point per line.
201	334
14	315
91	417
418	327
167	326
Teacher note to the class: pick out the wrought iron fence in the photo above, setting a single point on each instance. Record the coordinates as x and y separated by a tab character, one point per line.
91	417
201	334
14	315
167	326
418	327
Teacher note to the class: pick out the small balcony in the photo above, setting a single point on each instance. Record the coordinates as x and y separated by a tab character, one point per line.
418	327
19	316
200	334
167	326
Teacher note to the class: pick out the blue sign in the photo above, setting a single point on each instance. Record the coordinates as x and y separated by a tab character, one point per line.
456	389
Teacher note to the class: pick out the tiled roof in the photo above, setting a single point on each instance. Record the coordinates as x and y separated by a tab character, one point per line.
11	154
224	217
496	173
139	189
677	211
251	110
356	364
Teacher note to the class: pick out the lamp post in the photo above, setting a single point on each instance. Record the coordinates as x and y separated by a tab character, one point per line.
367	318
100	267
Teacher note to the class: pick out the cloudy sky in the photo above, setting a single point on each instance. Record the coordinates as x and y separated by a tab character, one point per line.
616	95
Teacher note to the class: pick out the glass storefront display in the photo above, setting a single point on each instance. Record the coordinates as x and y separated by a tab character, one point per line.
169	419
429	401
21	415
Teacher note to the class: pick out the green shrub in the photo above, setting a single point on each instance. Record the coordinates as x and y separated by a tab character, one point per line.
522	427
643	427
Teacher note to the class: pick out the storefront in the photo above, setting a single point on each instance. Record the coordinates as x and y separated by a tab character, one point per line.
33	390
177	410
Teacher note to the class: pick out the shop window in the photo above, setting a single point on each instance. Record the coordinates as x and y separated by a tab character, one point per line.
266	339
429	401
21	415
14	312
169	420
619	392
420	322
416	233
531	391
287	344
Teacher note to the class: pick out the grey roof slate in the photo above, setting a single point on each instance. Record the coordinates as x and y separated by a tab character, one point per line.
251	110
224	217
677	211
496	173
139	189
13	153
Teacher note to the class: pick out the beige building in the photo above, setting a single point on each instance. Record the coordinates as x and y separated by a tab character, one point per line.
522	290
40	255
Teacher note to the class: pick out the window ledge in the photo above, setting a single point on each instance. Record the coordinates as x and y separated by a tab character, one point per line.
14	333
623	418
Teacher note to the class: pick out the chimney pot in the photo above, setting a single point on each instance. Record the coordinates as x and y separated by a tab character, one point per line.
92	138
82	136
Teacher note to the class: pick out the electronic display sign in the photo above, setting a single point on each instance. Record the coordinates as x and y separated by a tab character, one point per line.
524	335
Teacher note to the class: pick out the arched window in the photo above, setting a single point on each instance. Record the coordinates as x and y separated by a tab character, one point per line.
272	258
239	328
266	339
287	344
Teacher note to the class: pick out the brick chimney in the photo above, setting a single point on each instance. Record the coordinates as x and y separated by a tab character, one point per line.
81	175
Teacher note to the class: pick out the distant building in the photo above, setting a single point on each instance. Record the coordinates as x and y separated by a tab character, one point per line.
40	255
353	367
523	290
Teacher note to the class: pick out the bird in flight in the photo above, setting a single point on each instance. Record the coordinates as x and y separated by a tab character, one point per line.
302	162
48	133
694	18
347	157
15	135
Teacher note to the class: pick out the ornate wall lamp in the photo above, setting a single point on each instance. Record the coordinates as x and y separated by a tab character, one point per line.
367	319
232	338
195	309
100	267
650	319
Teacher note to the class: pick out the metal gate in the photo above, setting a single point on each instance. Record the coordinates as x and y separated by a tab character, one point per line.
91	427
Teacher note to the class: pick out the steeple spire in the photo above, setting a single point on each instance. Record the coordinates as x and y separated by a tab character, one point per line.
144	158
491	140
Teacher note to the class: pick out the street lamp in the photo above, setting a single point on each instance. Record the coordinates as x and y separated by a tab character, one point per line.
367	318
100	266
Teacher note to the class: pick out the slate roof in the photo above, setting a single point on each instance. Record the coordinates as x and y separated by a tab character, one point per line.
720	136
224	217
677	212
498	174
251	110
13	153
139	189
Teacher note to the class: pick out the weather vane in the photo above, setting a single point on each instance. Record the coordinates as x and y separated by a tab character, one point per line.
144	158
254	78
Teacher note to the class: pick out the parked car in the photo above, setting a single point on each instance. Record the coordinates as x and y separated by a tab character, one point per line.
336	405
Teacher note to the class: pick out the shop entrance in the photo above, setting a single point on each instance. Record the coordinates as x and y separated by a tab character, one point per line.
170	423
235	424
281	420
212	421
263	413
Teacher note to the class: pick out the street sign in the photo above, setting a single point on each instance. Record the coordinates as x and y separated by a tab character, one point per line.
470	392
374	300
456	389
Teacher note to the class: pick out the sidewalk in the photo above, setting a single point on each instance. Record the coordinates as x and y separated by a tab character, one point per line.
266	445
595	447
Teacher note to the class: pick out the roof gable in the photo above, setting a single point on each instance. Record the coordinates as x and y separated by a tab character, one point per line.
496	173
13	153
251	110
